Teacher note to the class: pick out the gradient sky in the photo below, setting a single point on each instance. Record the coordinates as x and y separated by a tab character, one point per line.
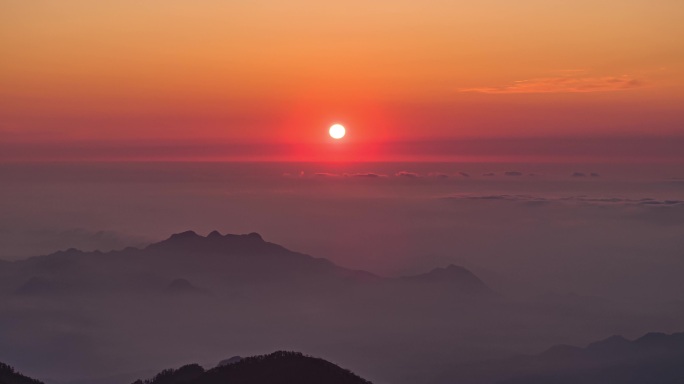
88	73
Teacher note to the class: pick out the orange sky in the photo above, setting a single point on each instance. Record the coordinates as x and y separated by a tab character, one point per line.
281	71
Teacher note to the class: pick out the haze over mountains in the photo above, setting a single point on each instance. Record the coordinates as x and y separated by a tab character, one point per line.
189	289
617	236
652	358
187	262
86	316
418	192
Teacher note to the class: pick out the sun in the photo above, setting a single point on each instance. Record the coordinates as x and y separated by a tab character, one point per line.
337	131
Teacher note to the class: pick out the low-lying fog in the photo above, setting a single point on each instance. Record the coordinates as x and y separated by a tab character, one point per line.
575	251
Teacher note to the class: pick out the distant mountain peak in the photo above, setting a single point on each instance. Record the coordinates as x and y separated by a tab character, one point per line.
184	236
182	286
449	272
612	340
615	342
213	242
192	235
232	360
452	268
453	275
254	236
657	339
652	358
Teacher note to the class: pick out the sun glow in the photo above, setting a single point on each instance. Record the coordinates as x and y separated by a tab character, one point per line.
337	131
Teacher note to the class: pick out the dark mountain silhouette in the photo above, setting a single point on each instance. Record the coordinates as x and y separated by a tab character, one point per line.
183	287
112	317
216	260
655	358
185	374
110	313
37	285
277	368
191	241
452	276
9	376
232	360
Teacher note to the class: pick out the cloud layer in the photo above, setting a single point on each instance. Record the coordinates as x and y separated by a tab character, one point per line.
563	84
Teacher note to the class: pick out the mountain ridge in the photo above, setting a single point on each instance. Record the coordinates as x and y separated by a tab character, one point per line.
250	251
453	275
654	358
280	367
8	375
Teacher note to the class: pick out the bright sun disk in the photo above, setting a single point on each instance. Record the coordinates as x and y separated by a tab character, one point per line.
337	131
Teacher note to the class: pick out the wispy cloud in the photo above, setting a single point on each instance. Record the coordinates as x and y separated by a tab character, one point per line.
644	202
408	174
563	84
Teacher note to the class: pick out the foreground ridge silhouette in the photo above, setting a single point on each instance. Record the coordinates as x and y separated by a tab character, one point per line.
281	367
9	376
655	358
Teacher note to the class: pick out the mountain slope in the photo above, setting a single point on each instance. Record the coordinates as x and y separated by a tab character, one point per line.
215	261
74	314
9	376
452	276
655	358
277	368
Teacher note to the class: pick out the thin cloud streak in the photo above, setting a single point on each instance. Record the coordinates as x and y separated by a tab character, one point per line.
561	148
646	201
563	84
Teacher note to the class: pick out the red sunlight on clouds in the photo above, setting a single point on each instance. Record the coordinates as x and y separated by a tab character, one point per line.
392	72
